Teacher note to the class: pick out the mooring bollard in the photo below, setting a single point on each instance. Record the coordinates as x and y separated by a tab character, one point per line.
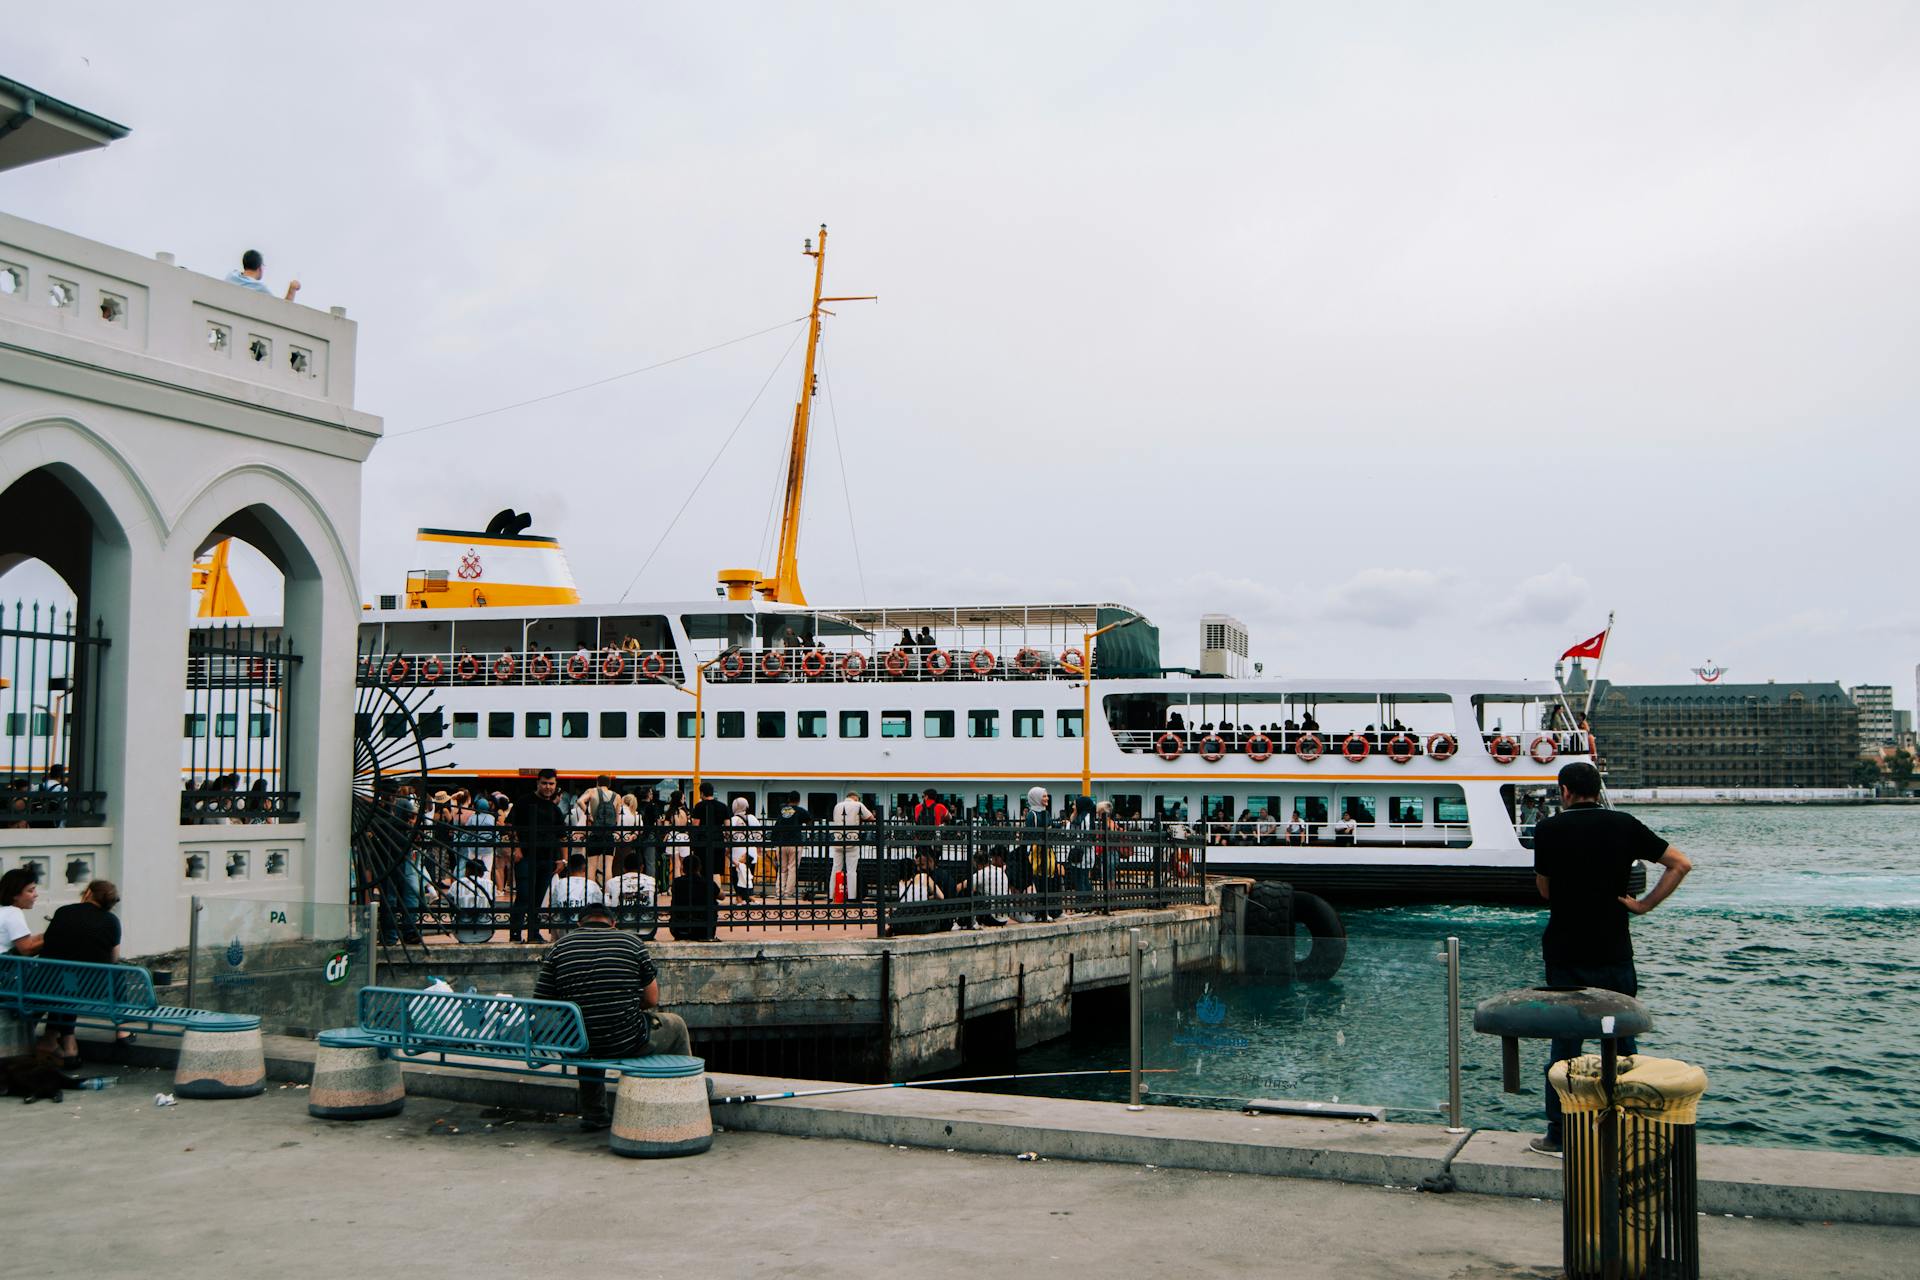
1134	1014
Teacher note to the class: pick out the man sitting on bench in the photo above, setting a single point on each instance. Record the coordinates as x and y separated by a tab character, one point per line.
611	977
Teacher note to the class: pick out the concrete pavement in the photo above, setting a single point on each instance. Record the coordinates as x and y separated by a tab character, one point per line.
106	1183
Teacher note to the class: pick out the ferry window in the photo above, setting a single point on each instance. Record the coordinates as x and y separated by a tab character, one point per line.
1258	805
613	724
896	724
226	724
770	724
539	724
432	724
992	808
260	724
1450	811
810	724
1169	808
1126	808
937	724
362	725
499	724
392	725
748	796
730	724
649	724
573	724
1311	808
1216	808
1067	724
1360	809
983	724
820	803
853	724
686	726
466	724
196	725
1029	724
1406	811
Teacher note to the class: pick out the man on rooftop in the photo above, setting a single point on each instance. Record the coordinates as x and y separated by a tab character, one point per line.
252	269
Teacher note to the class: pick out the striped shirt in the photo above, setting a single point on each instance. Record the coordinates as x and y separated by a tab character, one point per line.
607	974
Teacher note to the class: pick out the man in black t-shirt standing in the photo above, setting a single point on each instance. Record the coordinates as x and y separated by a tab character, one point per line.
710	818
542	829
1582	858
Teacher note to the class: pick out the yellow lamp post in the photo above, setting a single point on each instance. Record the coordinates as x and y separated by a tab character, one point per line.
699	717
1086	701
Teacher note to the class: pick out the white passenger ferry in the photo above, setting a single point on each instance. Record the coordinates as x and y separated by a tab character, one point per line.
1351	788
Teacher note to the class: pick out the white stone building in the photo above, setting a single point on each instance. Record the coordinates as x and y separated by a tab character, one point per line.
1876	716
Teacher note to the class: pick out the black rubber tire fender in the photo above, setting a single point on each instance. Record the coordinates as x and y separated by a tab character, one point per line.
1322	923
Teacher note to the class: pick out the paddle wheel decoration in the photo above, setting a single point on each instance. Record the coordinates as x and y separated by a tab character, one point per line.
392	766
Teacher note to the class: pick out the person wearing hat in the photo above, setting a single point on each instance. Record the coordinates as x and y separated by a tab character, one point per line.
483	834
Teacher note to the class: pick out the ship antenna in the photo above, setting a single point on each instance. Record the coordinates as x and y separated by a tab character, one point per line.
784	584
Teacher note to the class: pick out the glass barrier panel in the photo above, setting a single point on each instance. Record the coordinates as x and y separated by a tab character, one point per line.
298	965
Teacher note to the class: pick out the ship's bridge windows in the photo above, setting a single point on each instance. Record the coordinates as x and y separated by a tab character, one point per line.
499	724
1406	811
730	724
688	720
770	724
937	724
573	724
1362	809
1067	724
466	724
896	724
539	724
983	724
810	724
1029	724
650	724
853	724
613	724
730	630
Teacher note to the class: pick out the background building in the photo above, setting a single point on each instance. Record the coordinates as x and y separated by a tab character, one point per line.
1726	735
1876	716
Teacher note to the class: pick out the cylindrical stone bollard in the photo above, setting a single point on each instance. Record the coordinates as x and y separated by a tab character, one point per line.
661	1109
221	1059
16	1036
354	1080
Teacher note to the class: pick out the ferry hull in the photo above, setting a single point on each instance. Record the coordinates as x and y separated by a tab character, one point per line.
1362	885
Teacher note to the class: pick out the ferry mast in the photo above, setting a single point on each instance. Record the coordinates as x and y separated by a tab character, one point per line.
784	585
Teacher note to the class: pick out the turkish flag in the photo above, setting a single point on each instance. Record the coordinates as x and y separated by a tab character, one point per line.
1588	648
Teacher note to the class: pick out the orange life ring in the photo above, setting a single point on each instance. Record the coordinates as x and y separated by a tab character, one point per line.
1441	746
1259	747
1503	749
939	662
1401	748
468	668
503	668
1183	865
1348	744
980	661
1074	660
540	667
430	669
853	666
1308	746
579	666
897	663
1543	758
732	665
773	663
396	671
813	663
1027	661
257	670
653	666
1215	751
1168	746
613	666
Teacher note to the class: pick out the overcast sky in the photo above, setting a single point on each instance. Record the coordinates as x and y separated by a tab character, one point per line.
1418	336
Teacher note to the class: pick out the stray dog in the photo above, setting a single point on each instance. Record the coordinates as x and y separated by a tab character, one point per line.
35	1076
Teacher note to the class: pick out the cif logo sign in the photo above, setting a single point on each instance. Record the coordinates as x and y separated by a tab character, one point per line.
1709	674
470	564
338	966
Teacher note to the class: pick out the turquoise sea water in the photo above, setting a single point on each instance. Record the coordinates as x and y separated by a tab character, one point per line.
1788	965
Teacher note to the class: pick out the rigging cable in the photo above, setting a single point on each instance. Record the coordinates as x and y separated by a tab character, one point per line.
598	382
774	373
834	418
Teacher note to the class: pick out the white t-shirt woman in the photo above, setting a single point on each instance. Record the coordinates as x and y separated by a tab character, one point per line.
16	935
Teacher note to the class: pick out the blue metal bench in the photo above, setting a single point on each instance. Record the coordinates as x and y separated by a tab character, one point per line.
529	1037
109	996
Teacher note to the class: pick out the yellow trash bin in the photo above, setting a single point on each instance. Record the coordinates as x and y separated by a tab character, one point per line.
1657	1101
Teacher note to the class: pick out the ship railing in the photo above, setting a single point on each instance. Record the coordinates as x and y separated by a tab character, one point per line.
898	664
520	667
880	879
789	665
1373	834
1302	746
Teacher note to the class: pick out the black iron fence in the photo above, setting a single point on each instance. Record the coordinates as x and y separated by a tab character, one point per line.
50	664
238	711
440	875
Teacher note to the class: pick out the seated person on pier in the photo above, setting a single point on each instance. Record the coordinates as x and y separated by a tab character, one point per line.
571	890
988	887
611	977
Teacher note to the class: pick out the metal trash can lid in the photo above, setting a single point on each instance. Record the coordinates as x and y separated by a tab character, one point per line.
1562	1013
664	1066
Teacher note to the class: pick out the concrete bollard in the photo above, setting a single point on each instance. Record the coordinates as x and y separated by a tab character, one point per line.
353	1080
221	1061
16	1036
661	1109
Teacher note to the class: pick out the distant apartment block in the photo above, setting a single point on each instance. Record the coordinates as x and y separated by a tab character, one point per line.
1726	735
1876	716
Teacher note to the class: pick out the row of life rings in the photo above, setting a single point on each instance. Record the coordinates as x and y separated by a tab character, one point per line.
1400	748
466	668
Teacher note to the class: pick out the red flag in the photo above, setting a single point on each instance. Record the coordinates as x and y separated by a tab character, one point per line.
1588	648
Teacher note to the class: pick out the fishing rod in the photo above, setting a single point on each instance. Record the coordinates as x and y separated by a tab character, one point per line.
926	1084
